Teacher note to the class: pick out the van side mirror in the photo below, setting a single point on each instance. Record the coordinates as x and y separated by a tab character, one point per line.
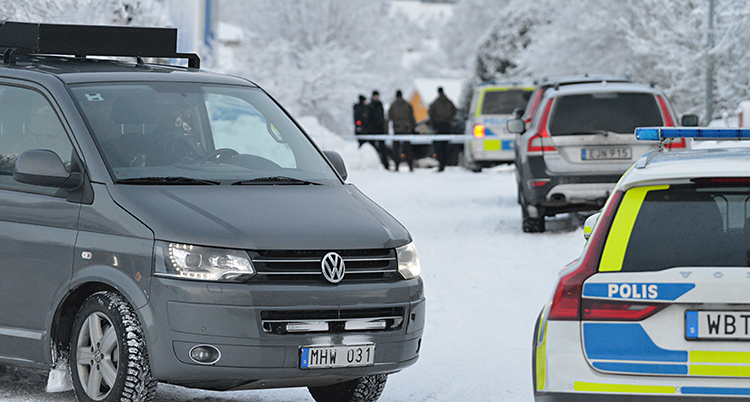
42	167
518	112
689	120
515	126
338	163
588	225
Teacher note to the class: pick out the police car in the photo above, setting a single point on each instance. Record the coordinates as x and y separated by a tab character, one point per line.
488	141
658	304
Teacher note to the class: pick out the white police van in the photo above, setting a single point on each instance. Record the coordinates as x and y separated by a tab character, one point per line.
658	304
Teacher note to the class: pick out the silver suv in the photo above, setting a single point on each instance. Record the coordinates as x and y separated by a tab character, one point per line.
574	151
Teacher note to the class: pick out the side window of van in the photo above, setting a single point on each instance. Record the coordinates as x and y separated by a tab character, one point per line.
28	121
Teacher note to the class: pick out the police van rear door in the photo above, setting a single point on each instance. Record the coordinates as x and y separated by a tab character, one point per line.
671	293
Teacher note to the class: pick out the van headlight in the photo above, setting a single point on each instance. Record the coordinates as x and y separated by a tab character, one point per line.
408	262
202	263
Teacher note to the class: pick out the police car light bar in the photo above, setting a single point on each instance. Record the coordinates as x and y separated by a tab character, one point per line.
663	133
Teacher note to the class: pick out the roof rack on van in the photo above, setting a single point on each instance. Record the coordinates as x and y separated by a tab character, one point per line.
90	40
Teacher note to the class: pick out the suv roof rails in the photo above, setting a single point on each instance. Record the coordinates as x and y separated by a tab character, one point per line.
90	40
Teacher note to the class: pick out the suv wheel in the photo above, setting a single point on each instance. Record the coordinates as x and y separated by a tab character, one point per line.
109	361
365	389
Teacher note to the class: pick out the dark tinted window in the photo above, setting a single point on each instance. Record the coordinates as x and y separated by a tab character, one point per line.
683	226
612	112
504	102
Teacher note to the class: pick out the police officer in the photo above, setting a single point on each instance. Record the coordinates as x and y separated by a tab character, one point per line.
360	117
441	114
401	114
376	125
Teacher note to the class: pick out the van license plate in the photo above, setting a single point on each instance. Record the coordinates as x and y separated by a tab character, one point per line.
606	153
719	325
315	357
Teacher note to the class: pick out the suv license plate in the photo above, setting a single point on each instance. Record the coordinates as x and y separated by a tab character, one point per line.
315	357
717	325
606	153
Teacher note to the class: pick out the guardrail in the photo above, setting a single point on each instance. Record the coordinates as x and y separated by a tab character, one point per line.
416	139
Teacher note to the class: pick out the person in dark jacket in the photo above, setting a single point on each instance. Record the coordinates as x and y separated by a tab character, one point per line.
376	125
441	114
401	115
360	117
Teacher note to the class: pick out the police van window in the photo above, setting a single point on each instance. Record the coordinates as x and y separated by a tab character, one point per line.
687	227
504	102
28	121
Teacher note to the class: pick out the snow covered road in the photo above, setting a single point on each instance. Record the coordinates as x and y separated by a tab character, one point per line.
485	282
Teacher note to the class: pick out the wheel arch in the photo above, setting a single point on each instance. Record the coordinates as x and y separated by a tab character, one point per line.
85	283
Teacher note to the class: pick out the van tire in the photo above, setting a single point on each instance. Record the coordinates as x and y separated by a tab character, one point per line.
109	314
365	389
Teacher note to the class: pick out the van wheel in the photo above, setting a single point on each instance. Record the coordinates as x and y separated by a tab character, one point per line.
109	361
365	389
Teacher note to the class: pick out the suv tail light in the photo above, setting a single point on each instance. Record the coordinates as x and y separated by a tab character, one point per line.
566	301
669	122
536	143
615	310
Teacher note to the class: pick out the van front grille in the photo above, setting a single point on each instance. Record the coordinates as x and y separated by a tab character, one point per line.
290	266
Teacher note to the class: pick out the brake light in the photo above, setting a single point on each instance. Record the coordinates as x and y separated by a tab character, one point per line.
478	131
615	310
722	181
566	301
535	103
536	142
668	122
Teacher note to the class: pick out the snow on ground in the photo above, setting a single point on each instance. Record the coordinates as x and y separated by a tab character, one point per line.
485	282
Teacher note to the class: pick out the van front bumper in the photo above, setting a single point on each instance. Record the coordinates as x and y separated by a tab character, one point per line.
231	317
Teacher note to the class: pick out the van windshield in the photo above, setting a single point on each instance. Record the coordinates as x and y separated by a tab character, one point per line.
190	133
617	112
690	227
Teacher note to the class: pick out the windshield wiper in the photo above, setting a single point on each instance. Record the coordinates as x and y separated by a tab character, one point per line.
170	180
274	180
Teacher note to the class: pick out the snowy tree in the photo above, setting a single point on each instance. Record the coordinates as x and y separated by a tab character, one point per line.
110	12
316	56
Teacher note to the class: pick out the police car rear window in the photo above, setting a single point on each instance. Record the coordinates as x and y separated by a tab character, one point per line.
618	112
504	102
688	227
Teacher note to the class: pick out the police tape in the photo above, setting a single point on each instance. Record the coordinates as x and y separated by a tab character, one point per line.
416	139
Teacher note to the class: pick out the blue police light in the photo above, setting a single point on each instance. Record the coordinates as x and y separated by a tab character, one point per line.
661	133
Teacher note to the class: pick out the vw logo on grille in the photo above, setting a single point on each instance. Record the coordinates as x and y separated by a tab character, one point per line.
333	267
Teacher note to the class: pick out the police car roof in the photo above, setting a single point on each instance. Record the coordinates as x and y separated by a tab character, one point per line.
582	79
681	166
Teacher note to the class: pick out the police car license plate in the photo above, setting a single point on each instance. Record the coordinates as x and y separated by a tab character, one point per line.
718	325
606	153
315	357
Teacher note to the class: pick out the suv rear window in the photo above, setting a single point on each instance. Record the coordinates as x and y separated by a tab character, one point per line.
505	101
687	227
617	112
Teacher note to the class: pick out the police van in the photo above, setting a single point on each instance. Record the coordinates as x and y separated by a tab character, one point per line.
658	303
488	141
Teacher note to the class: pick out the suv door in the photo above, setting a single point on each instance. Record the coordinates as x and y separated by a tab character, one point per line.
593	132
37	226
670	297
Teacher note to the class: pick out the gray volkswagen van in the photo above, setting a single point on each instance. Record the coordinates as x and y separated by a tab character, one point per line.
159	223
